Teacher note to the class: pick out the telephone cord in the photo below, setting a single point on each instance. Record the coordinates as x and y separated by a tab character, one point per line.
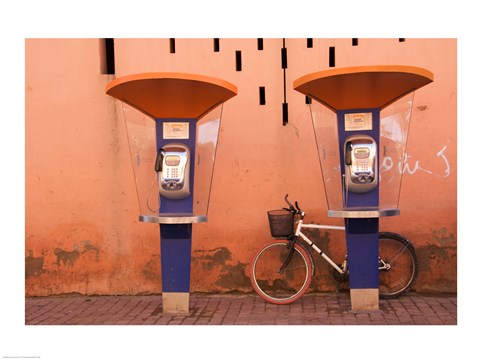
155	180
345	191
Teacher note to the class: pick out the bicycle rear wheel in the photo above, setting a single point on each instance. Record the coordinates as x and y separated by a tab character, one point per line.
398	265
280	286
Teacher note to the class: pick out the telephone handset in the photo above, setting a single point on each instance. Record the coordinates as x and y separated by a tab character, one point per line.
360	164
173	168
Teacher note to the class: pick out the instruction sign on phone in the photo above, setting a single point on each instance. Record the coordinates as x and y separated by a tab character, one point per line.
175	130
358	121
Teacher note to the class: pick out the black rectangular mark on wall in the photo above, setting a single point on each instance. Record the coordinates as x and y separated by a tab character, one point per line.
238	60
285	113
401	40
284	67
216	45
331	56
172	46
284	58
260	44
109	56
309	43
261	95
355	42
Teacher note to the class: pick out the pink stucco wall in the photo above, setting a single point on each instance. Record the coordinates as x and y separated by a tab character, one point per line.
82	228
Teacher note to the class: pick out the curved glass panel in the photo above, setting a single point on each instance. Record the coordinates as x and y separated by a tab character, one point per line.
141	139
206	146
141	132
325	126
394	126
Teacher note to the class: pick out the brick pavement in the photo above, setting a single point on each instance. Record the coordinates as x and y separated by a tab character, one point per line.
240	309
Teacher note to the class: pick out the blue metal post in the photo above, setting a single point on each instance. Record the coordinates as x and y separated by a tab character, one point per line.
362	234
176	239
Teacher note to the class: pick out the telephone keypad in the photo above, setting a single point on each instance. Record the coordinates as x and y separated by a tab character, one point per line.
362	165
172	173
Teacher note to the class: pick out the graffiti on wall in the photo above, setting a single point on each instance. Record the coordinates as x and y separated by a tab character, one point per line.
409	166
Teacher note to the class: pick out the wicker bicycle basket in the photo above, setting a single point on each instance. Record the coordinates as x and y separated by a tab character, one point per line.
281	222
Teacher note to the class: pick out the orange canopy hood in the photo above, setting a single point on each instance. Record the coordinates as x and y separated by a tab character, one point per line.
171	95
362	86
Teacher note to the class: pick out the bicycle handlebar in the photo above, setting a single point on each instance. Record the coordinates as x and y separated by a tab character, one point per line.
294	209
298	207
288	202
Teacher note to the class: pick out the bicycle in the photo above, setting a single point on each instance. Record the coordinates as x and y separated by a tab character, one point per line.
282	270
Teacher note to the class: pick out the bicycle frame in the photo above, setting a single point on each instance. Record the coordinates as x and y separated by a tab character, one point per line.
274	283
298	233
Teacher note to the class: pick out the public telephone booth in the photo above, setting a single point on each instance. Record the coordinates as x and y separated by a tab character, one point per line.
361	116
172	122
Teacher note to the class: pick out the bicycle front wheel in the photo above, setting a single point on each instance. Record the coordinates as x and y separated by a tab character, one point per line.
274	283
398	265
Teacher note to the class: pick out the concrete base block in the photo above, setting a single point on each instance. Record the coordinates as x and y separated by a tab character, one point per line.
364	299
174	302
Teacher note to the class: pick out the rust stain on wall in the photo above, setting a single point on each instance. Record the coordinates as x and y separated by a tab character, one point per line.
444	237
436	272
151	270
320	238
335	248
68	258
234	276
33	265
226	272
76	260
208	259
